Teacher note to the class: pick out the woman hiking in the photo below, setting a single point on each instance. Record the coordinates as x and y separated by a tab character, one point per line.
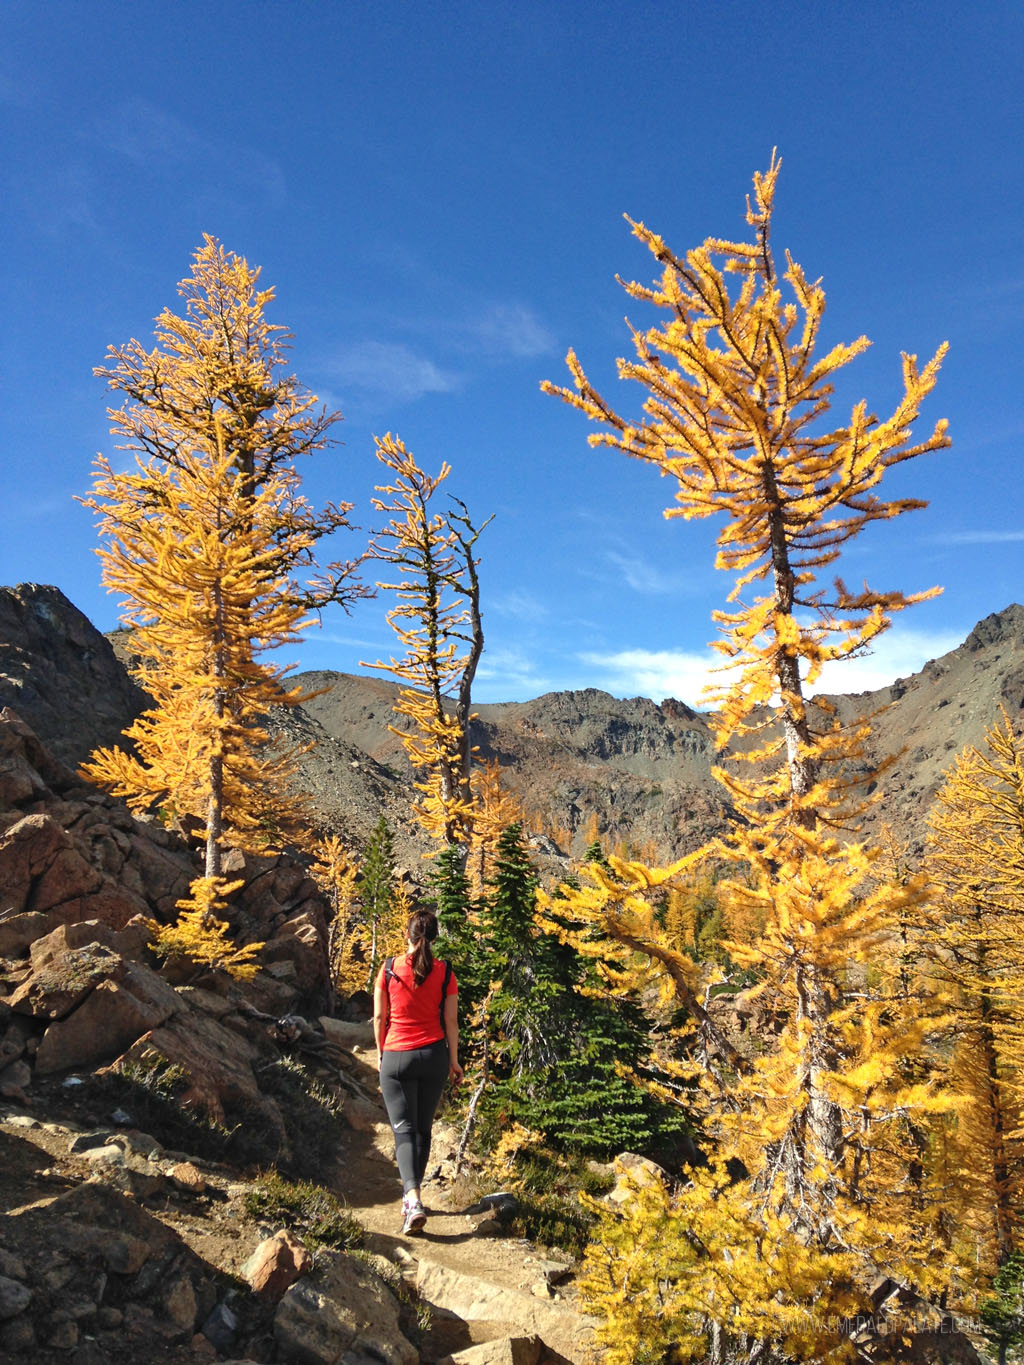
415	1022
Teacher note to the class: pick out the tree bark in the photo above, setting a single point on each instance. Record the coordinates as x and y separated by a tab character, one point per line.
215	815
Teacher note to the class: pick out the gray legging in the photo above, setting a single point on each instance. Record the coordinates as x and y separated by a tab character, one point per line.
411	1083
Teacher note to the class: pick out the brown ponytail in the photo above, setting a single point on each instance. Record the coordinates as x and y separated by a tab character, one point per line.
421	930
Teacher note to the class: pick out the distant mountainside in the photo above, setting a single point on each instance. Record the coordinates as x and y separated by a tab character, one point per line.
928	718
641	770
644	770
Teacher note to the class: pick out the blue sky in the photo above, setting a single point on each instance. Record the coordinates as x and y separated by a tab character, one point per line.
436	192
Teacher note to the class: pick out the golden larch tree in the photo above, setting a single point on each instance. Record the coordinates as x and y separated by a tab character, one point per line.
219	372
336	871
438	622
200	935
494	809
973	944
211	545
810	1193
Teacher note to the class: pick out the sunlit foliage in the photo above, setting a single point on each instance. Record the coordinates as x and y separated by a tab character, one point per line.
974	948
438	624
335	871
820	1194
201	936
205	535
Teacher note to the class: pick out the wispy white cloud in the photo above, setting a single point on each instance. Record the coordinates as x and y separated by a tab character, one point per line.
330	400
511	329
389	369
593	516
521	606
352	641
684	675
640	575
897	654
508	675
151	136
143	132
977	538
656	673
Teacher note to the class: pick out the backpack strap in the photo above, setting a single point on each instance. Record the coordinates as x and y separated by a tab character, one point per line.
389	976
444	993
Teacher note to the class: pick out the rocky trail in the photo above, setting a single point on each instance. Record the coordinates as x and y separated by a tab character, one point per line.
119	1244
482	1285
114	1251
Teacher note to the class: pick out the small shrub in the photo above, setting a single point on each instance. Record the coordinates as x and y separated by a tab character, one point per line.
311	1113
596	1183
546	1184
150	1088
156	1075
554	1222
308	1210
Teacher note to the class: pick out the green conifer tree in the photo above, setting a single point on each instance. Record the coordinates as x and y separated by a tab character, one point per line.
594	853
594	1102
522	1008
450	892
1003	1313
459	941
565	1049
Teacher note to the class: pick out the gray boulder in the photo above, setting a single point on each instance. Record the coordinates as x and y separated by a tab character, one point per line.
344	1312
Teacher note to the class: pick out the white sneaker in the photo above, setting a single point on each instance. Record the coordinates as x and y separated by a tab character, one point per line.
413	1216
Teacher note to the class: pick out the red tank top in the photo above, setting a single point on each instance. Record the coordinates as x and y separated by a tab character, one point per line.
414	1012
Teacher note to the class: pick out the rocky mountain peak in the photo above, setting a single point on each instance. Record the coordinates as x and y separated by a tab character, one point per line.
61	675
638	772
1006	626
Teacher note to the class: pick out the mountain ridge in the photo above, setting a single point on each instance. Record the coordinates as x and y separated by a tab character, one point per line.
643	769
636	772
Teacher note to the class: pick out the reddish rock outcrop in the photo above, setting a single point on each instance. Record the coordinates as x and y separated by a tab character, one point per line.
110	1018
69	854
276	1264
58	984
81	881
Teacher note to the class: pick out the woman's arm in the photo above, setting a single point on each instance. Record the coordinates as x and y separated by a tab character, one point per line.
451	1029
380	1017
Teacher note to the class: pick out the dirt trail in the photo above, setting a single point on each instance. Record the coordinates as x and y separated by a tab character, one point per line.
482	1284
